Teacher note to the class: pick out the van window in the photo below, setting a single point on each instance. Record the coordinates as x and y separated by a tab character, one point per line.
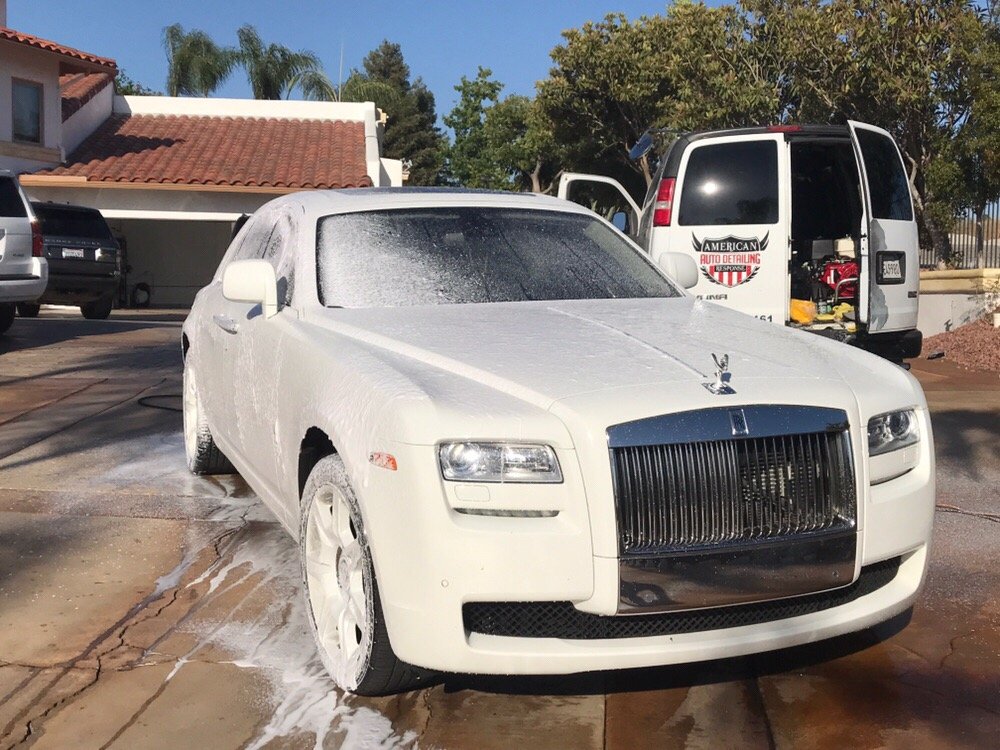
11	205
887	186
731	183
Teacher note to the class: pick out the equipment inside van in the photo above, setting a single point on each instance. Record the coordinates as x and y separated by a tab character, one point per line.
807	226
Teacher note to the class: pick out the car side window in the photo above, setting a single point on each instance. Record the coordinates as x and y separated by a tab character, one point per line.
278	250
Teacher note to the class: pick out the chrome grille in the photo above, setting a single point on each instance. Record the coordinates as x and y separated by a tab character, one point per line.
675	496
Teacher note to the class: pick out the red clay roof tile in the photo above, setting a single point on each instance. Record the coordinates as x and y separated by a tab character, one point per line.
60	49
232	151
76	89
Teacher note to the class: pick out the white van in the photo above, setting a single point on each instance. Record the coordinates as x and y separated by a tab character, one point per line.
24	273
809	226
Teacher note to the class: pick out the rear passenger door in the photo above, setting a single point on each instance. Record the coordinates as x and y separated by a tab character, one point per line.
731	209
890	244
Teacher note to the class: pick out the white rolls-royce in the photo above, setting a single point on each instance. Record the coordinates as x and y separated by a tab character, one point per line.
507	443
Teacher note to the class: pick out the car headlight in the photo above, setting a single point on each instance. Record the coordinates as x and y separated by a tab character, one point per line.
892	431
498	462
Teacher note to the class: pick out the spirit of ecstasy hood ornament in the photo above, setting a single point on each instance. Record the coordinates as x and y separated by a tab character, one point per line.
721	385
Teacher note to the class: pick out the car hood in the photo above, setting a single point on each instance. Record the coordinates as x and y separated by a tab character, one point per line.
543	352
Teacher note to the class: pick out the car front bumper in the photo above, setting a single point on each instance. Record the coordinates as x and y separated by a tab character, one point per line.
431	561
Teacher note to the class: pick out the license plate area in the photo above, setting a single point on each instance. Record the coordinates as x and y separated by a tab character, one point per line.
73	252
724	576
890	268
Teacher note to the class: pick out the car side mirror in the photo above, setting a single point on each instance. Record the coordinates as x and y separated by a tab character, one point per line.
251	281
679	267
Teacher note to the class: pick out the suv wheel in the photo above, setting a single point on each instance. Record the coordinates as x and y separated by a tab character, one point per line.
99	309
28	309
6	316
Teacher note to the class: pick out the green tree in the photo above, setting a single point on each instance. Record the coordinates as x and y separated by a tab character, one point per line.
470	162
411	131
196	65
693	67
275	71
518	139
126	86
918	68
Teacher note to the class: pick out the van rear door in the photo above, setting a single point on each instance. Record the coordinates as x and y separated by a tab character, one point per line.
730	211
890	245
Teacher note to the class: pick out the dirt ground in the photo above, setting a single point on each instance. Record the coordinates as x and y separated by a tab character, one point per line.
143	607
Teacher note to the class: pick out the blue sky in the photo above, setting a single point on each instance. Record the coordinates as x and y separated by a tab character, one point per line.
441	41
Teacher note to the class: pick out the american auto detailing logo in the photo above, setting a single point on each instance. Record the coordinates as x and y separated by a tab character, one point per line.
729	261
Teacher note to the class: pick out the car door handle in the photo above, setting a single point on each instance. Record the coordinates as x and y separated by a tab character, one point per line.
226	323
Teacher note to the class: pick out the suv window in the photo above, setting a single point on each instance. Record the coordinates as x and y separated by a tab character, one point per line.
11	205
57	221
731	183
887	186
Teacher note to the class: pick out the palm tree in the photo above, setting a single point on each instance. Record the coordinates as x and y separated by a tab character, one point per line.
274	70
197	66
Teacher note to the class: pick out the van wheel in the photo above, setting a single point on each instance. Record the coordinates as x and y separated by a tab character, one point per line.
99	309
345	614
28	309
6	317
203	455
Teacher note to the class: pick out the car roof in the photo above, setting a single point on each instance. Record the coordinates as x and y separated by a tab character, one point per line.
349	200
49	205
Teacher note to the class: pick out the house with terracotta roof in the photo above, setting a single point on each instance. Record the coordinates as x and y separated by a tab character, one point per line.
171	174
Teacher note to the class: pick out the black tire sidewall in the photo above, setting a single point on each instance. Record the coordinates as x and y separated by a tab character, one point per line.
7	312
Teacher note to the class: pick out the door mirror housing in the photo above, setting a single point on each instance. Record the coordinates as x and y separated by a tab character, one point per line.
679	267
251	281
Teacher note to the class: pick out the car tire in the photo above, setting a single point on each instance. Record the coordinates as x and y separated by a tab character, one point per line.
203	455
6	316
99	309
28	309
341	592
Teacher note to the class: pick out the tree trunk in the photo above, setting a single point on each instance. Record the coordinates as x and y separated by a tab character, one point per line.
536	181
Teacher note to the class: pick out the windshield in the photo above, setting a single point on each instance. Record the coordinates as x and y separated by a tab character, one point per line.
455	255
61	222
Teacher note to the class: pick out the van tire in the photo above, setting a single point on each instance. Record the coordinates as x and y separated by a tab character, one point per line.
7	311
28	309
99	309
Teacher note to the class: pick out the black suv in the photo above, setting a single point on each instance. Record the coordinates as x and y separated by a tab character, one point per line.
83	256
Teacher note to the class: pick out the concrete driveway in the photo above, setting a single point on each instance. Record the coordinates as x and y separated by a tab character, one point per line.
143	607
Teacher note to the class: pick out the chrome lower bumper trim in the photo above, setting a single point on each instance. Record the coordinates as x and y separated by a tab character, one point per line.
705	578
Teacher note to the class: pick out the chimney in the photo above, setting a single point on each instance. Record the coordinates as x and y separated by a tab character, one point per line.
3	12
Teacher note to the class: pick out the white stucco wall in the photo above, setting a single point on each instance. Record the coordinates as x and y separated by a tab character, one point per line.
136	202
945	312
85	120
18	61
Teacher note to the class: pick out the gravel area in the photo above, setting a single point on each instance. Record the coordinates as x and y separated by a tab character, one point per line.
975	345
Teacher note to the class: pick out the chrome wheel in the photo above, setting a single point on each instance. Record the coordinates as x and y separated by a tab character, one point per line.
337	590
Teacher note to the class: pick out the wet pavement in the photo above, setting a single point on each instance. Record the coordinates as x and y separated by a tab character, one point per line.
143	607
